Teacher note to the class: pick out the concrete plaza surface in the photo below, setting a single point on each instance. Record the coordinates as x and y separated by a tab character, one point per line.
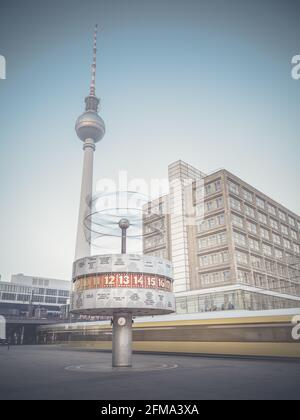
53	372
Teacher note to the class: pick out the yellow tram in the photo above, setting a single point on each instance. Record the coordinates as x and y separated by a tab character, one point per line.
273	333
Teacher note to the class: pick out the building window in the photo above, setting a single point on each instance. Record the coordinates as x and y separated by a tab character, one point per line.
247	195
214	204
23	298
276	239
239	239
278	253
260	202
36	298
284	229
235	204
271	209
215	277
254	244
252	227
282	215
213	187
274	284
270	266
267	249
292	221
294	234
281	270
62	301
226	275
219	202
213	259
213	240
52	292
155	241
297	248
65	293
50	299
287	243
233	187
265	233
259	280
274	224
242	257
8	296
155	227
211	223
249	211
204	261
244	276
256	262
262	218
237	220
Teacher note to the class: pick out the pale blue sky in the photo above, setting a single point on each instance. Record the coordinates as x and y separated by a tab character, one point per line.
205	81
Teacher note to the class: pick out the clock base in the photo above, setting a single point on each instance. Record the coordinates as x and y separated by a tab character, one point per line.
122	340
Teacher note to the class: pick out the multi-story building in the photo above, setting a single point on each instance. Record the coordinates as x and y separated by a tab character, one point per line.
232	246
33	296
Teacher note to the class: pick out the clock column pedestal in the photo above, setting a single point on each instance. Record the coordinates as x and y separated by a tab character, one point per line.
122	340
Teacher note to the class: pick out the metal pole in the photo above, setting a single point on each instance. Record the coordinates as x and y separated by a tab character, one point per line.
123	248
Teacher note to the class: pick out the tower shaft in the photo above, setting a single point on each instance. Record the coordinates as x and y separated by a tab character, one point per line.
83	239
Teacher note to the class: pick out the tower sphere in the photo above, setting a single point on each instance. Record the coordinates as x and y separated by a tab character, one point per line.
124	223
90	126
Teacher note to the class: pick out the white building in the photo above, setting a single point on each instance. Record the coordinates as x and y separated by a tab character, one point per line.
24	294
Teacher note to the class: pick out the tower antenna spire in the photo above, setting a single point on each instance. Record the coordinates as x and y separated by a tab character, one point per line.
93	78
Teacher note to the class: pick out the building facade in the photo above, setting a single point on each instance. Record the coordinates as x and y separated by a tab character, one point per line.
29	296
232	246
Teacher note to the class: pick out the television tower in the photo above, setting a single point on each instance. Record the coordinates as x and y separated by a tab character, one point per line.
90	129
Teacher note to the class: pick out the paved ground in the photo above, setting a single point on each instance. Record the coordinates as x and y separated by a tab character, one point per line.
50	372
